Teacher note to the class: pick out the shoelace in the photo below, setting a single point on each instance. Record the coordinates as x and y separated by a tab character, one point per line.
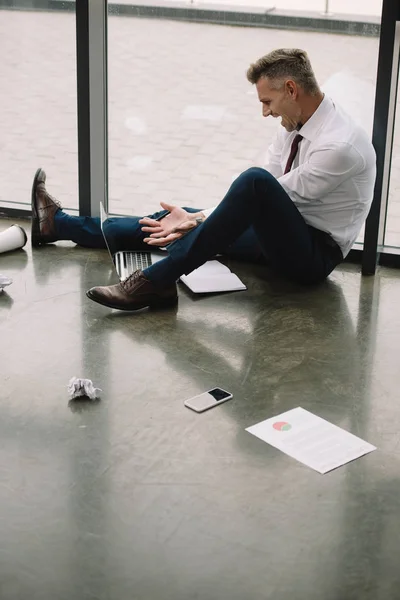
49	197
56	202
131	280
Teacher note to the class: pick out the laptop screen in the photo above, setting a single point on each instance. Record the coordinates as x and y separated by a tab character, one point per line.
107	232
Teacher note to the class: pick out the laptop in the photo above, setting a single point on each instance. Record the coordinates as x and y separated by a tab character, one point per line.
213	276
126	261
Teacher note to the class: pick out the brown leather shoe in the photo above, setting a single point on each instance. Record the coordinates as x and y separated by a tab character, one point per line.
135	292
44	207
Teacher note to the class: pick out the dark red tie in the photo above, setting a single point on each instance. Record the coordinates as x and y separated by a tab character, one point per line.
293	152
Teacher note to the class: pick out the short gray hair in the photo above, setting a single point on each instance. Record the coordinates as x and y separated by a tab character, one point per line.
285	63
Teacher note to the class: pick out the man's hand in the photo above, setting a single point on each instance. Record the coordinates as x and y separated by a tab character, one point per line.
171	227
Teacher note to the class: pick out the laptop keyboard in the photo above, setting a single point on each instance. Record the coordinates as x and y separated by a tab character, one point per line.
128	262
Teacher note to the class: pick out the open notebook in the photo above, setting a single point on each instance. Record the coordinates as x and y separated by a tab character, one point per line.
213	276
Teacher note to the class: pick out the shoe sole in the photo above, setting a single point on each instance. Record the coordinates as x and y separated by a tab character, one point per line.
160	304
35	228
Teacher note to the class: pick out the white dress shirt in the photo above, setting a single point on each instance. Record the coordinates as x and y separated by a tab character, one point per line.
332	179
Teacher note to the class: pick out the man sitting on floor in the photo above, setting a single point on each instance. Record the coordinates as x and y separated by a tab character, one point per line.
303	212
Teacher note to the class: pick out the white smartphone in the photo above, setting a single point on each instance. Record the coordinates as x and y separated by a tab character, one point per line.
208	400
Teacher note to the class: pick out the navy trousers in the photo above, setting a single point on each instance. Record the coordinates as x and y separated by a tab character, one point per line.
128	235
255	201
255	218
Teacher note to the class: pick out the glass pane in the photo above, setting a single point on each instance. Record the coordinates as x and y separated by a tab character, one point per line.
38	102
183	119
392	231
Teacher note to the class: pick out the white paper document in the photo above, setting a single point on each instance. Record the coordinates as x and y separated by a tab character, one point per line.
311	440
213	276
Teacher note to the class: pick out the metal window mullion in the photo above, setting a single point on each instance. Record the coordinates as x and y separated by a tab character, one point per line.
91	33
382	136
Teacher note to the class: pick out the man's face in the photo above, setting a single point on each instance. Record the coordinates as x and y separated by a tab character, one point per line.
280	103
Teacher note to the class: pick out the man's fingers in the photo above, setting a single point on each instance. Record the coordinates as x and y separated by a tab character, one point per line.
185	226
155	229
167	206
148	221
162	241
164	234
160	234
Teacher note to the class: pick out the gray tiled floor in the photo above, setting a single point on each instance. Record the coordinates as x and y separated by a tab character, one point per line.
183	120
137	497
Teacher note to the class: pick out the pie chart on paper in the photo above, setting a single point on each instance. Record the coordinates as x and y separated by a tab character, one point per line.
282	426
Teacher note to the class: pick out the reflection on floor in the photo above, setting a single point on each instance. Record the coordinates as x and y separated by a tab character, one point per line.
136	497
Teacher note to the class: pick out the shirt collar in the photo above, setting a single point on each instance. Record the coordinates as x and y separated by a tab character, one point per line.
312	126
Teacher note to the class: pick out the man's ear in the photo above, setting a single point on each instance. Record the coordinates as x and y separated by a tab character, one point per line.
291	89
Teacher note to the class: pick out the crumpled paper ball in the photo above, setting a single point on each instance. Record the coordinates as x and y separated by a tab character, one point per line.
82	387
4	282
